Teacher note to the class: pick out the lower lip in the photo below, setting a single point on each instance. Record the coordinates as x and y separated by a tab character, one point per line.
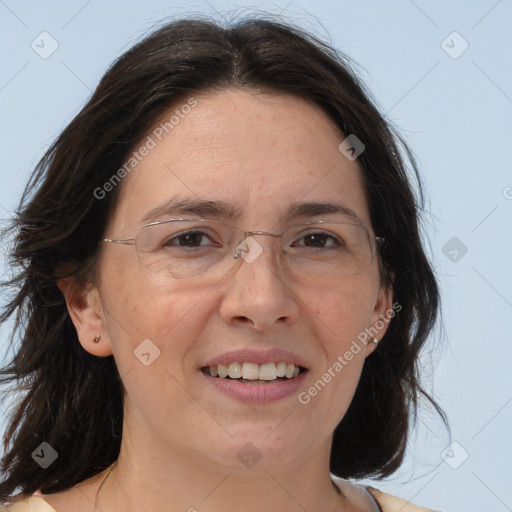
257	393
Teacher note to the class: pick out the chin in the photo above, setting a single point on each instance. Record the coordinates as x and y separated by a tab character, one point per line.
263	444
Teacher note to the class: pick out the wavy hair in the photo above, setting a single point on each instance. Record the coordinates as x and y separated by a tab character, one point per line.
73	400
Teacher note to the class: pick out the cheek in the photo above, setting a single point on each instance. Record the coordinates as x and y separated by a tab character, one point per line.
154	331
337	317
140	313
342	312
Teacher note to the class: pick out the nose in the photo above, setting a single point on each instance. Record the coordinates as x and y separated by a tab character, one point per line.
258	293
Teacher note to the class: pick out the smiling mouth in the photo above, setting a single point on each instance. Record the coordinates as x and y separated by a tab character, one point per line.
253	373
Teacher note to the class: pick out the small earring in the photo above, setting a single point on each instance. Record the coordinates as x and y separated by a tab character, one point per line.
97	338
375	340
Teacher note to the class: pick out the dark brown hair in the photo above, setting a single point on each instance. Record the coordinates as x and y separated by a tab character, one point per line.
73	400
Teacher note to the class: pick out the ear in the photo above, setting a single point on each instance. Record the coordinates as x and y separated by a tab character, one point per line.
382	314
84	307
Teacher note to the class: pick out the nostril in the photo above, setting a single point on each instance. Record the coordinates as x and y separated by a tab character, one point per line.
243	320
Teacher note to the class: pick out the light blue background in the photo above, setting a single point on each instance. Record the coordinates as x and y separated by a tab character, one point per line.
455	113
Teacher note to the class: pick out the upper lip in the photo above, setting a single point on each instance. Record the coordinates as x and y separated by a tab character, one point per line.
257	356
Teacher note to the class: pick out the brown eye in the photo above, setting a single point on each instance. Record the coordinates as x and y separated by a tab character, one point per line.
193	239
189	239
316	240
319	241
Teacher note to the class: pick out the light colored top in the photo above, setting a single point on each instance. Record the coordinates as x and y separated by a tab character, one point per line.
31	504
366	498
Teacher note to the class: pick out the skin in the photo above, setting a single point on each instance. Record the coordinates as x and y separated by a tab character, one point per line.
258	152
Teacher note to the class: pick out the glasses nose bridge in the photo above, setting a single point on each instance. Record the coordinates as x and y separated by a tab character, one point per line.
275	236
267	233
243	246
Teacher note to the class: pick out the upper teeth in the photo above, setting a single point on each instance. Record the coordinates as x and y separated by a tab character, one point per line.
253	371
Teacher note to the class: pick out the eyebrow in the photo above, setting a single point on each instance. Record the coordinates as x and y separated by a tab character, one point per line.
223	210
192	206
316	208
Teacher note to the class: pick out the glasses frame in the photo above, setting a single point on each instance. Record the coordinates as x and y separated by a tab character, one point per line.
379	241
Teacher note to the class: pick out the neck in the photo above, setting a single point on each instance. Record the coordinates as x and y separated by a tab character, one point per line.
145	478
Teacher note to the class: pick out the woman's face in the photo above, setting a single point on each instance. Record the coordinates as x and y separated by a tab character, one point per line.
258	155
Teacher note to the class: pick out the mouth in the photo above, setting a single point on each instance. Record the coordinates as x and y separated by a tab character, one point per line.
256	377
254	373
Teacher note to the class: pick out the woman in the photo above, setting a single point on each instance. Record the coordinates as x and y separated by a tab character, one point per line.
222	291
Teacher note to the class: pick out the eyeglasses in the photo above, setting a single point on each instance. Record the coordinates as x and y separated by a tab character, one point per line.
194	248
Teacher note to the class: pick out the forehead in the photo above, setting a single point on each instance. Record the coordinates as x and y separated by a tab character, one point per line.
257	153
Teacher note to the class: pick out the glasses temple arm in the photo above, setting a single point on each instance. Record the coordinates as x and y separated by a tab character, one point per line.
128	241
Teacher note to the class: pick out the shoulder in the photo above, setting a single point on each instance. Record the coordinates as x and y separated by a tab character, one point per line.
74	498
30	504
389	503
371	499
359	496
